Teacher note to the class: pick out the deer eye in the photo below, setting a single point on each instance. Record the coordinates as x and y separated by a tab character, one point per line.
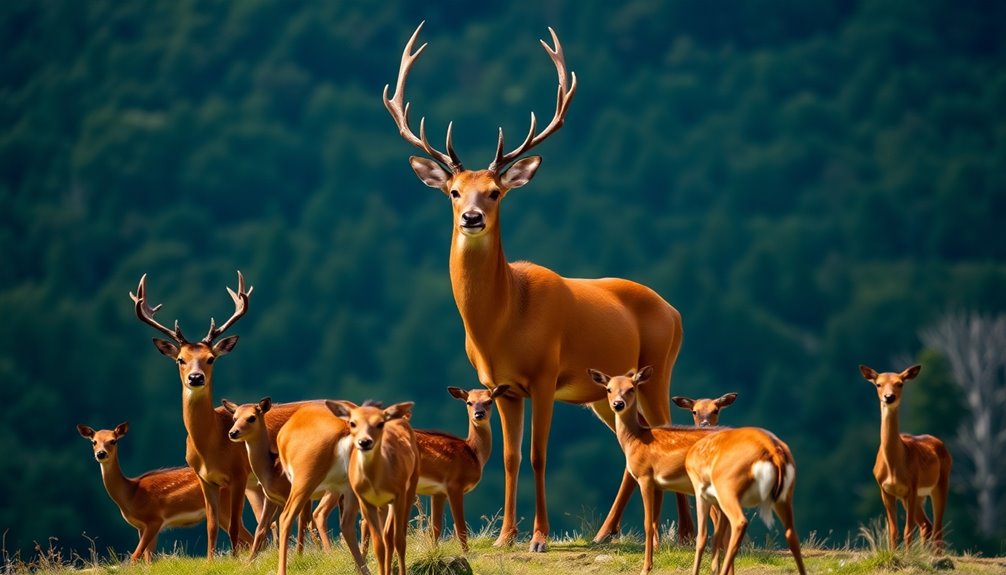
455	194
94	442
352	424
251	419
468	403
715	411
111	442
180	361
899	385
210	361
695	412
494	195
380	425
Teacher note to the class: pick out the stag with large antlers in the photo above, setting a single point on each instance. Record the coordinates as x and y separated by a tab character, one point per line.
217	461
528	327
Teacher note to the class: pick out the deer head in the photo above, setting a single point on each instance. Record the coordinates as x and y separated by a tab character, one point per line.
475	194
195	360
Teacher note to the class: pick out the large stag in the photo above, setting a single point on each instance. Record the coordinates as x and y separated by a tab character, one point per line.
528	327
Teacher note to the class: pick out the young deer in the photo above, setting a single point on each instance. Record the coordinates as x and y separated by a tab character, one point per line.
249	428
314	452
217	461
153	501
383	471
663	458
909	468
450	466
525	325
705	412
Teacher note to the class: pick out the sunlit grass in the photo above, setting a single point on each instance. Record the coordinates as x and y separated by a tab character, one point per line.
867	553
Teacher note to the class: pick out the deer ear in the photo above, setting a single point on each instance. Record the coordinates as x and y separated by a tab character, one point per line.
726	399
85	431
225	346
340	408
499	390
911	372
265	404
868	372
121	429
643	375
683	402
429	172
458	393
166	348
399	411
229	405
599	377
520	172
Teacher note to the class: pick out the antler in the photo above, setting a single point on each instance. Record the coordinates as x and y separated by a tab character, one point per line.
240	308
399	110
563	99
146	313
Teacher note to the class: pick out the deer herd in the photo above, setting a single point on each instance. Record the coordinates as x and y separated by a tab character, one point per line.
531	334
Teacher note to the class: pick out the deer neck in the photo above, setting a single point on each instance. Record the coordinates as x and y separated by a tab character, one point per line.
200	418
891	447
481	280
629	429
120	488
480	440
260	456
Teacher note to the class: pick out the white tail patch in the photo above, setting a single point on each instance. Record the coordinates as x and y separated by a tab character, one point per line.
787	481
764	480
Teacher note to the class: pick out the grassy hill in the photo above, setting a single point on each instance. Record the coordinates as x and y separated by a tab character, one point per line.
573	554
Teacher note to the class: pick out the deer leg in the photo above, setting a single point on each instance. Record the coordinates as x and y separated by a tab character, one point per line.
457	499
939	496
211	496
784	509
236	504
350	507
542	405
437	514
147	536
511	412
321	513
701	514
658	503
300	495
402	505
911	503
925	526
264	520
891	510
734	513
377	537
647	490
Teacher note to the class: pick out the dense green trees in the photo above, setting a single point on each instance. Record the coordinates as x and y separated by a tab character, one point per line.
810	184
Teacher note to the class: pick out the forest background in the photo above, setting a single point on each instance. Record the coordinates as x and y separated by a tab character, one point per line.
812	184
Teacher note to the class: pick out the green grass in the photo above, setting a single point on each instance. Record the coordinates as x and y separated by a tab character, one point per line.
573	553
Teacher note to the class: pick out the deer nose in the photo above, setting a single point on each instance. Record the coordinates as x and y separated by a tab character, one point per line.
479	415
101	455
472	219
889	398
365	443
704	423
233	434
197	379
618	405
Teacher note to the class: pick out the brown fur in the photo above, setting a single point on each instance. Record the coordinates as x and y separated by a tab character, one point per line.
908	464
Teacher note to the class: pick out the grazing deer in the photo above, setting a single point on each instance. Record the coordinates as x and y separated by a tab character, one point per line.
724	473
217	461
153	501
249	428
450	466
909	468
705	412
528	327
383	471
314	451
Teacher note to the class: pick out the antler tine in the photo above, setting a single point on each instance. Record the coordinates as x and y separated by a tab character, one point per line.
399	109
240	308
562	101
145	313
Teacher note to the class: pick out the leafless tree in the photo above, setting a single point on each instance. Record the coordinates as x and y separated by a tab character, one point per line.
975	347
